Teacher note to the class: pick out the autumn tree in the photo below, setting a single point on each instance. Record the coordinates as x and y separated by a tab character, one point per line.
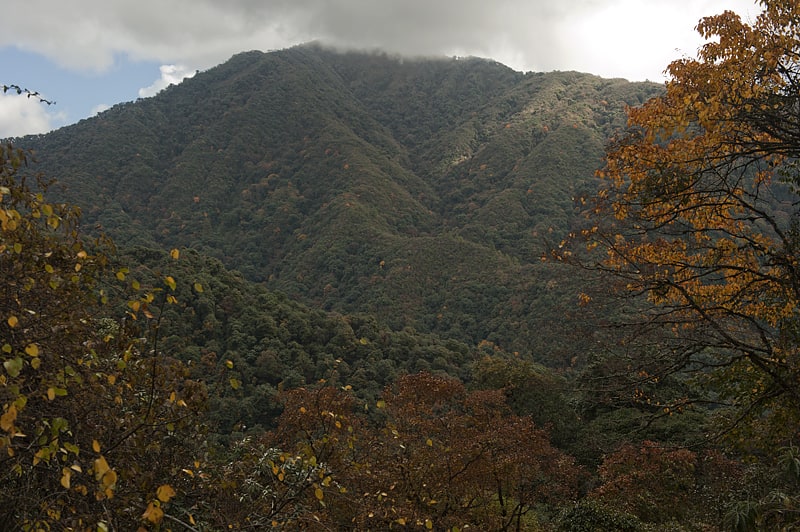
452	457
92	419
698	219
658	483
428	455
294	478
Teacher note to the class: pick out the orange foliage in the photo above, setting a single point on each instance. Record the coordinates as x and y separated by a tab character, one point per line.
440	457
689	216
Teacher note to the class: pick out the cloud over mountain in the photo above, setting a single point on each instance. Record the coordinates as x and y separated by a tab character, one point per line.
526	35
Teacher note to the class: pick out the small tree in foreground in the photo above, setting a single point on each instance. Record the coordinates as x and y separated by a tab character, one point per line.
92	425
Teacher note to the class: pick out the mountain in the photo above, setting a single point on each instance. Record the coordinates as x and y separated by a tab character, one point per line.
421	192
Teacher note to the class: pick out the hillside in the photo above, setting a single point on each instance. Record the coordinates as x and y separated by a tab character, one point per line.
421	192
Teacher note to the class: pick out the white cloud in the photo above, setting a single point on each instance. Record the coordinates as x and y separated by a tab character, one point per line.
606	37
99	108
20	115
170	75
653	34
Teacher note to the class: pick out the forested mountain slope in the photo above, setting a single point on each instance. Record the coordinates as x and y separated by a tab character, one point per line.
422	192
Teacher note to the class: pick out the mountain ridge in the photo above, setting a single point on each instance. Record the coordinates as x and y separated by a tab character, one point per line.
420	191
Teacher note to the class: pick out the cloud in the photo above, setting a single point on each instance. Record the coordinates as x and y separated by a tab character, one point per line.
20	116
588	35
99	108
170	75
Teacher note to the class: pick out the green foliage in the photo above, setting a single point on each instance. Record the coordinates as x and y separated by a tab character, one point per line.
530	389
773	501
273	343
421	192
593	516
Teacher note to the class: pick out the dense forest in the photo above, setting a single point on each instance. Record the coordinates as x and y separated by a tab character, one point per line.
312	290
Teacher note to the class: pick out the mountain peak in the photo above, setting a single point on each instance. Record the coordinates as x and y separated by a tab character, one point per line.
356	182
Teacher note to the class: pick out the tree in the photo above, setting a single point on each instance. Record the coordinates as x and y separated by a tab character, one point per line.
531	389
433	456
698	220
654	483
92	425
460	458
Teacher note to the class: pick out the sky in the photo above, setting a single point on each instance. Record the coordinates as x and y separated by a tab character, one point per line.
88	55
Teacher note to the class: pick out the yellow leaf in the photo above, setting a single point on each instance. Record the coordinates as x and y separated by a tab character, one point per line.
36	363
51	393
12	321
170	282
100	467
96	446
154	514
429	524
109	480
198	288
318	494
8	418
381	403
429	442
65	477
41	454
175	254
229	364
165	493
32	350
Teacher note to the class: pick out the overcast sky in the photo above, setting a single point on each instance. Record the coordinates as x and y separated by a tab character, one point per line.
90	54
